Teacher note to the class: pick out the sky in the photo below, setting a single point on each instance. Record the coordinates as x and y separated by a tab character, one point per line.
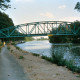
26	11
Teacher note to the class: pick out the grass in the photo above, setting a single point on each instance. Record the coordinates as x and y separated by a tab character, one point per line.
34	54
0	48
47	58
21	57
13	43
78	76
55	58
1	44
8	48
17	48
11	50
58	59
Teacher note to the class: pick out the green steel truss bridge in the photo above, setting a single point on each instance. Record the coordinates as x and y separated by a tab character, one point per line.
42	28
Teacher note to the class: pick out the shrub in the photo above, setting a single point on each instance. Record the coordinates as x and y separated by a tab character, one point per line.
13	43
17	48
1	46
58	59
8	48
47	58
34	54
70	65
11	50
21	57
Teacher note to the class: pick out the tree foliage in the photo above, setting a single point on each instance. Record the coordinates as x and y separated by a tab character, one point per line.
76	24
64	38
4	4
5	21
77	6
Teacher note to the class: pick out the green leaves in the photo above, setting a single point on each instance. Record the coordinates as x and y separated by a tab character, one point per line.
77	6
5	21
4	4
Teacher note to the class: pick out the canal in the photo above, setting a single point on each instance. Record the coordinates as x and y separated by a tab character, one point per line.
68	50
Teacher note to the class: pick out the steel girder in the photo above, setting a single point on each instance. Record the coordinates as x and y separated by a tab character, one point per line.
42	28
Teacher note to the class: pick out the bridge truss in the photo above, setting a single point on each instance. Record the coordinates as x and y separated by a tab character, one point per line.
40	29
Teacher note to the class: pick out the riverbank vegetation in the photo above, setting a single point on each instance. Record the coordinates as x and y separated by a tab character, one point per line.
28	39
38	67
66	38
1	45
58	59
34	54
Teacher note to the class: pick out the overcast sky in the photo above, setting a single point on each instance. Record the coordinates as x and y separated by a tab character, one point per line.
43	10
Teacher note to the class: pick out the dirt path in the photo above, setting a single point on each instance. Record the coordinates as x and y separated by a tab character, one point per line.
40	69
9	67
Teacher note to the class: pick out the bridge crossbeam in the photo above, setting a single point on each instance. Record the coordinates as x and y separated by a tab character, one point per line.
39	29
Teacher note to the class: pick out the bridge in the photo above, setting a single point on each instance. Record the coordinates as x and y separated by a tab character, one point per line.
42	28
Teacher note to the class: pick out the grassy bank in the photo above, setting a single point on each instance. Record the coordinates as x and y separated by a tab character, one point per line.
57	59
37	67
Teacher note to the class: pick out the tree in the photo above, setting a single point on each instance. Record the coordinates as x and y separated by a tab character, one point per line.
76	38
5	21
77	6
4	4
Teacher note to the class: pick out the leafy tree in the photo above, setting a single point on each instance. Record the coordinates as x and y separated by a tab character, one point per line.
76	38
5	21
76	24
63	39
77	6
4	4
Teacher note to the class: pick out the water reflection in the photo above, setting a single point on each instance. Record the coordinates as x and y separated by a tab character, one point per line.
68	52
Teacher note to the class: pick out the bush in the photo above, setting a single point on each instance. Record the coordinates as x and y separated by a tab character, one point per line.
17	48
47	58
62	62
1	46
70	65
58	59
11	50
13	43
21	57
34	54
8	48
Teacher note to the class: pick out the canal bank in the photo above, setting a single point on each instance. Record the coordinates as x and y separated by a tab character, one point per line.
40	69
67	51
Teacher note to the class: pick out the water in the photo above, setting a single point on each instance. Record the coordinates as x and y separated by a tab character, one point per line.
39	47
70	51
